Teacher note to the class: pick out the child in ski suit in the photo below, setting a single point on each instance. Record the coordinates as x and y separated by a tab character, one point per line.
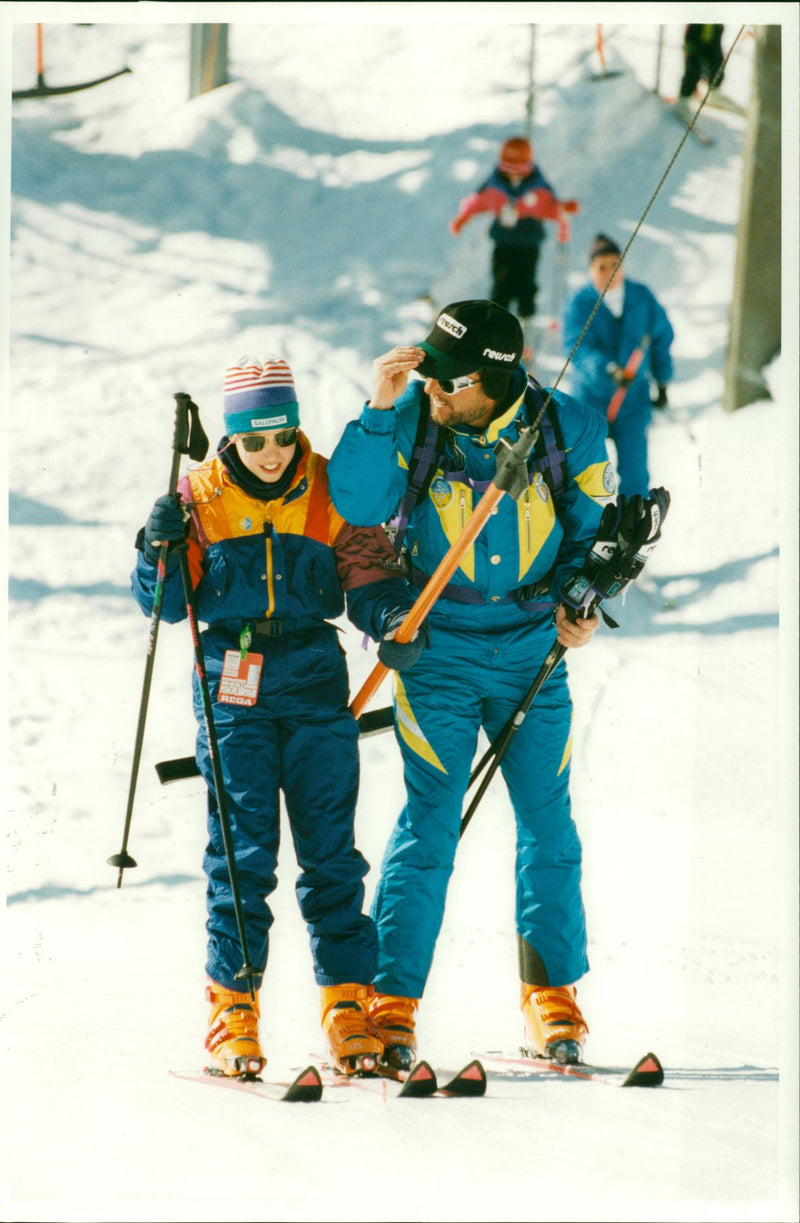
489	634
271	563
521	199
629	317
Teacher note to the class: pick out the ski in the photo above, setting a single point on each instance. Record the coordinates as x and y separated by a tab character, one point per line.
648	1071
306	1088
673	108
420	1083
720	101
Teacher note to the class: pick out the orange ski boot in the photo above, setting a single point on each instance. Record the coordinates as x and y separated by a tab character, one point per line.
353	1041
395	1019
232	1040
554	1025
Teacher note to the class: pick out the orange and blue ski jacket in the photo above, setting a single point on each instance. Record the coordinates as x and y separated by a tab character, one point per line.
291	559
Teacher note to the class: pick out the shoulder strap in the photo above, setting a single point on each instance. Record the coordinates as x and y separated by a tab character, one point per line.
428	447
551	457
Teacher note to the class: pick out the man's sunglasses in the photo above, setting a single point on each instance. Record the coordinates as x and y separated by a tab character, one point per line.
252	442
451	386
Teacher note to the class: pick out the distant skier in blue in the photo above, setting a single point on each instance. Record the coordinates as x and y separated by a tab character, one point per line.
629	318
424	452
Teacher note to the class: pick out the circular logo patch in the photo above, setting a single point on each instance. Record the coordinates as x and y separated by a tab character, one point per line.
245	524
441	492
609	479
540	486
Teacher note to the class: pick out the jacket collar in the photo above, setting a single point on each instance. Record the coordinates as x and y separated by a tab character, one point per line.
507	413
260	489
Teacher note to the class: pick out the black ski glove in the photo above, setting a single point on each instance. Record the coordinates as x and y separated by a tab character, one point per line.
166	525
627	534
400	655
660	398
617	373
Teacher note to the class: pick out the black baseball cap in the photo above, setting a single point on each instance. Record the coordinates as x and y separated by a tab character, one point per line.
469	336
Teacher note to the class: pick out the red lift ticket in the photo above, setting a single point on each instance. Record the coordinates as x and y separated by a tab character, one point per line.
240	678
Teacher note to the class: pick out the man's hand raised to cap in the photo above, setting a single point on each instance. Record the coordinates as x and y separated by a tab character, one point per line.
390	375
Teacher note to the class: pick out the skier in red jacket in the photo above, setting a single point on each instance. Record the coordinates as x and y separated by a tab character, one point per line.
521	199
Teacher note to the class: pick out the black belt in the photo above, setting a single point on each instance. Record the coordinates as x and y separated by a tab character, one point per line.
267	628
279	628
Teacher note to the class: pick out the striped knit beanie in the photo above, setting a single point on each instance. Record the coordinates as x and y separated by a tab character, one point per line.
259	394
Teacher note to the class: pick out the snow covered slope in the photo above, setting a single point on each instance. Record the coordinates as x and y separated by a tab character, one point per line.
304	208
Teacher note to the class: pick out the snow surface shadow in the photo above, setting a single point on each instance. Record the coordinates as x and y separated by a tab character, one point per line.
54	891
304	192
672	1077
29	590
639	617
726	1074
27	512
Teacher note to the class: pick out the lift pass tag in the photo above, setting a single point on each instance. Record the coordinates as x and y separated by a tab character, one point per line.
240	678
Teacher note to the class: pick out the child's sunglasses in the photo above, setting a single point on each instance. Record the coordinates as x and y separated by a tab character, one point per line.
253	442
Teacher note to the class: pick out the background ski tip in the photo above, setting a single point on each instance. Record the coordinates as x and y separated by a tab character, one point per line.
306	1088
420	1082
470	1081
648	1072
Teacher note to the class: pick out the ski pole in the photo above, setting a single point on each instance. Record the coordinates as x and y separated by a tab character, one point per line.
560	273
373	722
498	748
247	972
187	439
511	478
626	537
631	370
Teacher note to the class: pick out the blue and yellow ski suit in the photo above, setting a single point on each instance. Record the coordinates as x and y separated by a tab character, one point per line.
489	635
279	567
612	340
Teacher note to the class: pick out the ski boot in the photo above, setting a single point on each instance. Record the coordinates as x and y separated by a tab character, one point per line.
232	1040
394	1017
353	1041
554	1025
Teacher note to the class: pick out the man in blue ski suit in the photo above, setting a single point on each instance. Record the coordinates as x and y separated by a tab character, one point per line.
488	635
629	319
271	564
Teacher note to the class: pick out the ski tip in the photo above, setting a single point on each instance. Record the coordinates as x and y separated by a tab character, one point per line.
648	1072
306	1088
421	1082
470	1081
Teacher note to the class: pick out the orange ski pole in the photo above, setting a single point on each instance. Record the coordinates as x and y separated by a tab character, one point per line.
511	477
631	370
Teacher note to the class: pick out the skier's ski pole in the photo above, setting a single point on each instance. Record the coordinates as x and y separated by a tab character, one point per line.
626	537
498	748
631	370
510	477
191	440
247	972
373	722
560	274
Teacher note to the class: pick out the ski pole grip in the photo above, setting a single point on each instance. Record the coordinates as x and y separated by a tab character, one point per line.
189	437
180	438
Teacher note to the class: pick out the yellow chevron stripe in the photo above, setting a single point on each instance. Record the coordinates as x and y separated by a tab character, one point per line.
565	759
409	729
535	520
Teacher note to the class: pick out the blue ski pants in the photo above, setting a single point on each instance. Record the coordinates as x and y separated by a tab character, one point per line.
299	739
466	680
629	435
